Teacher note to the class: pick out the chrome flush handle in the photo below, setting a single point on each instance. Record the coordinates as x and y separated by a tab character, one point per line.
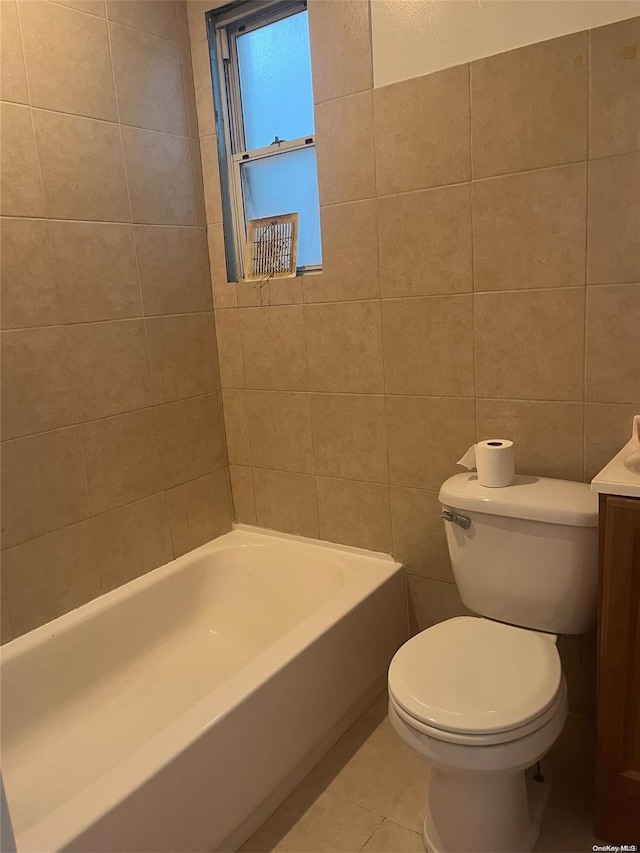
461	520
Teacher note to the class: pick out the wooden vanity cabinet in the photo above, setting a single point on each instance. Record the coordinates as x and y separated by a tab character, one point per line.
617	791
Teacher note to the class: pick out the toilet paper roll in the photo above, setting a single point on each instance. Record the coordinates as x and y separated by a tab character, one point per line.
493	460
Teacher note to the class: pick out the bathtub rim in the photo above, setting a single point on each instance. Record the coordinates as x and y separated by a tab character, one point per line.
60	827
36	636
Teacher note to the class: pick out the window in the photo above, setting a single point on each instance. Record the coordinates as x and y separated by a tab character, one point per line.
264	113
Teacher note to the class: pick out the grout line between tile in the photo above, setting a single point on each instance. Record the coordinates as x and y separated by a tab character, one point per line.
382	820
138	318
79	423
33	128
311	422
109	121
136	223
109	20
555	401
55	278
81	11
90	517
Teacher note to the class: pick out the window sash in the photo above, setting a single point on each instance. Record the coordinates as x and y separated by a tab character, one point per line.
228	29
237	199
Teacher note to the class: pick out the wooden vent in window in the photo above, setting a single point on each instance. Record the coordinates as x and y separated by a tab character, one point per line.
272	247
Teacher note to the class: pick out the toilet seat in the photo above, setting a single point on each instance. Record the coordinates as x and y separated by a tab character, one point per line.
494	738
476	681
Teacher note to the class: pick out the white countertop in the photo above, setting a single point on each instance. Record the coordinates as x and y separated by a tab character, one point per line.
618	478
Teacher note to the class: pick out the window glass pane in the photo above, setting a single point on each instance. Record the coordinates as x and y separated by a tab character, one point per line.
275	81
286	183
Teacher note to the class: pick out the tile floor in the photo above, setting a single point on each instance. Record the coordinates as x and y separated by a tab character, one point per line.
369	794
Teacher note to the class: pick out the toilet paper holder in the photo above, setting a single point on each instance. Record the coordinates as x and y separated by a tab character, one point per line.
462	520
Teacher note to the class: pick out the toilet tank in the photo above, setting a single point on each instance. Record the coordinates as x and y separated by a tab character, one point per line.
529	556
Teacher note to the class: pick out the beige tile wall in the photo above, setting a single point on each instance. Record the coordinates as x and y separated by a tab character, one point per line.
481	277
113	453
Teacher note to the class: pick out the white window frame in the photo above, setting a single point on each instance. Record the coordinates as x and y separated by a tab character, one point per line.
230	24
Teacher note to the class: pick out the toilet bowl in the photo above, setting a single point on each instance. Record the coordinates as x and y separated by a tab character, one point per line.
483	698
480	727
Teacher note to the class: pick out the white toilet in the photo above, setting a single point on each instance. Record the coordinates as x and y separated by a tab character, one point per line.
484	699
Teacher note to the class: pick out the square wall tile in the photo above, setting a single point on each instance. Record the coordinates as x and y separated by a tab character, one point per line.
608	427
613	333
615	89
211	179
49	576
345	152
14	79
344	347
244	503
340	39
96	271
428	346
157	17
427	436
350	436
199	511
121	459
548	437
286	502
180	355
132	540
189	89
36	392
529	230
419	539
350	268
160	176
196	10
174	269
29	292
229	348
530	106
198	181
431	601
530	344
92	7
21	191
82	168
283	291
201	65
43	485
236	422
68	60
109	368
148	75
274	350
354	513
425	242
280	430
214	351
191	443
614	220
225	294
422	131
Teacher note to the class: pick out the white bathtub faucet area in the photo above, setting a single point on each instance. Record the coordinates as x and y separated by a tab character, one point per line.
176	712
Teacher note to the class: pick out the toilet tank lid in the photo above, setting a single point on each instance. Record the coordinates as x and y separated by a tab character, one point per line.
531	498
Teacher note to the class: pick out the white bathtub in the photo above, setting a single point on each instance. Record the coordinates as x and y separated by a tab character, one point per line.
176	712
